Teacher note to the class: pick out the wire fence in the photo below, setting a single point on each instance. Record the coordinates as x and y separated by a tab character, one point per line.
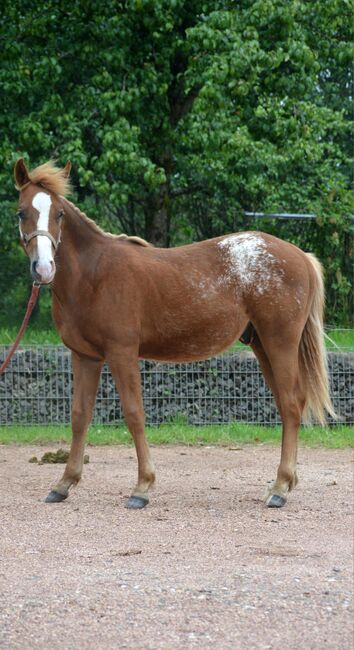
37	389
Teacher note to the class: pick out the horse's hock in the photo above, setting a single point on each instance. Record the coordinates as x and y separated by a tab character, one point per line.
37	388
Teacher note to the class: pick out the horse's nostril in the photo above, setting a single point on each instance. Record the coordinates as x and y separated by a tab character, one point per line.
34	271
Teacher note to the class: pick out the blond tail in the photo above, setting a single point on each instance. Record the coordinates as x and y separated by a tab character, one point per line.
313	356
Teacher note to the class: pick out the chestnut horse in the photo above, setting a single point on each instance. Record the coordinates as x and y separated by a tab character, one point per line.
118	299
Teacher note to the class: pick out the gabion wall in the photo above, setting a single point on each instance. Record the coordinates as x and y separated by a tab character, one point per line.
36	389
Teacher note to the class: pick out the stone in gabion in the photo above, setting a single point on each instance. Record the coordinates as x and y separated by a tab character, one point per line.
37	386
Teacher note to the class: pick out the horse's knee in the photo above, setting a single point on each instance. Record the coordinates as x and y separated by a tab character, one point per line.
79	421
134	418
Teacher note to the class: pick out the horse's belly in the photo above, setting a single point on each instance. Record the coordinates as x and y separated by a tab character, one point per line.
192	345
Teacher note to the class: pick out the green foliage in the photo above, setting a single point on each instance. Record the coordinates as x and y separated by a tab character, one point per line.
178	116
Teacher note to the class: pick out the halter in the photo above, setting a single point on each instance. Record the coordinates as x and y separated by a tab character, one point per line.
27	238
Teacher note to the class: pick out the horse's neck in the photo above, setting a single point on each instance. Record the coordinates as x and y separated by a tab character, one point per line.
77	231
79	248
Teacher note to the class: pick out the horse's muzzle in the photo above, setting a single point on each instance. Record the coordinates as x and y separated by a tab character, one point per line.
43	273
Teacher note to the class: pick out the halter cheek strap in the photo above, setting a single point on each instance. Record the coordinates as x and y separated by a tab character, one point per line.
27	238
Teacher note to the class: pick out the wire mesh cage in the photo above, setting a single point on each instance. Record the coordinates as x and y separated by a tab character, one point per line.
37	389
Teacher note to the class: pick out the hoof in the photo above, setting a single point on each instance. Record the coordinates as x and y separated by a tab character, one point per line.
136	503
275	501
55	497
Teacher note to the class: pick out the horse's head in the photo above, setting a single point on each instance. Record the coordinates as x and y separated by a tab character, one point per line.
40	212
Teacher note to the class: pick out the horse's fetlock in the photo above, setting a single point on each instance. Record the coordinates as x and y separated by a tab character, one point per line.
72	476
148	478
151	478
293	482
286	475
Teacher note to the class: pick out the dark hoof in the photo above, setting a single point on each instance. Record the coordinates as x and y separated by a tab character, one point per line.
136	503
55	497
274	501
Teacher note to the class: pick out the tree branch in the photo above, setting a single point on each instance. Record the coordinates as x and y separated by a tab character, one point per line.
183	104
181	191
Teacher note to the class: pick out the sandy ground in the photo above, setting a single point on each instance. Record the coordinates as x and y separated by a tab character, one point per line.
205	565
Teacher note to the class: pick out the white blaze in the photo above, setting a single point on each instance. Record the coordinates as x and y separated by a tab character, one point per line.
42	203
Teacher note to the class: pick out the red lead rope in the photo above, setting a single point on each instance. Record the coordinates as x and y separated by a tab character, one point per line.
31	303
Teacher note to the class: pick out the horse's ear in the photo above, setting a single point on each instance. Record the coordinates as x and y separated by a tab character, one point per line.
67	169
21	174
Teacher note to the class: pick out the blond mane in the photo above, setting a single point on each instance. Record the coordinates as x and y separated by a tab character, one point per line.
93	225
51	178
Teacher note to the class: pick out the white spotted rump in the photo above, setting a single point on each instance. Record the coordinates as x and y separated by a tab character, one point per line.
249	259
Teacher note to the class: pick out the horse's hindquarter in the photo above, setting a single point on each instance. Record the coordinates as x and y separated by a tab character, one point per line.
275	278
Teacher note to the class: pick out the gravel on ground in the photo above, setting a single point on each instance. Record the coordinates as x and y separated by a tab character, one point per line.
205	565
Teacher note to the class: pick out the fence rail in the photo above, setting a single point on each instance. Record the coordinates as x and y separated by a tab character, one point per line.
37	387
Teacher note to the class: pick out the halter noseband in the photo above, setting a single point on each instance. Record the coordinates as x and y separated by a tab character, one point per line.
27	238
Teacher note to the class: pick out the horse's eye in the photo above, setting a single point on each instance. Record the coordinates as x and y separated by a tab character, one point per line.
60	215
21	214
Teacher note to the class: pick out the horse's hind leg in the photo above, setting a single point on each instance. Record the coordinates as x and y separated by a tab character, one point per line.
125	370
86	373
266	368
279	362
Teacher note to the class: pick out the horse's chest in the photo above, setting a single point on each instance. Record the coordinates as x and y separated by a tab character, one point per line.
75	329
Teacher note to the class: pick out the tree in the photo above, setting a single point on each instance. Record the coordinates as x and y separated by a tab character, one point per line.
180	115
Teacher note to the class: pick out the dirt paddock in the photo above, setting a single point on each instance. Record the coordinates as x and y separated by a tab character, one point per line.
205	565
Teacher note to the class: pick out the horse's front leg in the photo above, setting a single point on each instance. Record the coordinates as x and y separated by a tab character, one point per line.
86	377
125	370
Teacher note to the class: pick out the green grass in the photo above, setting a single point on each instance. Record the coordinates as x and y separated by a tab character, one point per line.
335	338
342	338
32	336
336	437
37	336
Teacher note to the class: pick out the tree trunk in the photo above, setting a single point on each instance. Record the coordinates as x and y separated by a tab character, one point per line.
157	218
